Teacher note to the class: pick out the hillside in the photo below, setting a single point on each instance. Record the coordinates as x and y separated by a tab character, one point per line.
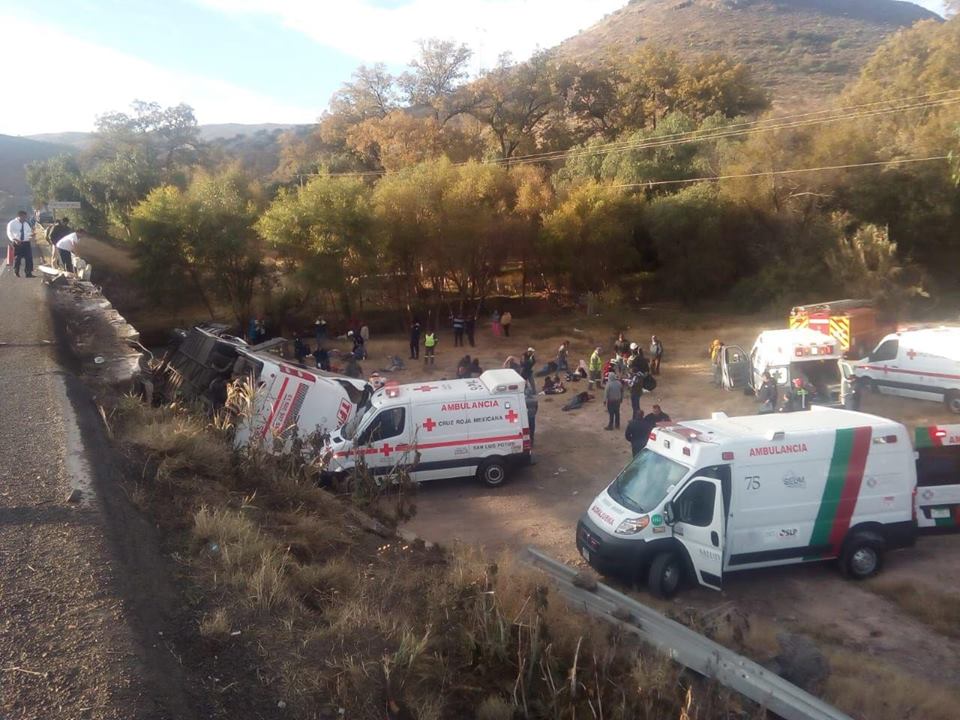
15	153
799	49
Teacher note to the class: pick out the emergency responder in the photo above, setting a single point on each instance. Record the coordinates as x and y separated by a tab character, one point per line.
594	366
429	346
767	394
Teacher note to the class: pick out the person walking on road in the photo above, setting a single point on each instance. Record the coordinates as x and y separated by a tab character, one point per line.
20	235
415	341
429	347
613	397
505	321
495	323
656	354
67	247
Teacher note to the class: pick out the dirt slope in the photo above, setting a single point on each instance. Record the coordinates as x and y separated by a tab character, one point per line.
801	50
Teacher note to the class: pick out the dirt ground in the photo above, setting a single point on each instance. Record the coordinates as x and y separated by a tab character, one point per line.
576	458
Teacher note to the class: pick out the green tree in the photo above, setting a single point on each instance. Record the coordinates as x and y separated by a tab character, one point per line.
201	238
322	233
437	79
592	237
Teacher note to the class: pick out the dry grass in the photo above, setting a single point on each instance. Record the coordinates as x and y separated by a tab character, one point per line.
869	689
343	619
931	606
216	626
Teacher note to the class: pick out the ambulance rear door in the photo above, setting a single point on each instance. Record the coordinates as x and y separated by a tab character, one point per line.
938	476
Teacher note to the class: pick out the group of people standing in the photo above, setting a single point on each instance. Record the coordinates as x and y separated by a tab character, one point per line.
21	234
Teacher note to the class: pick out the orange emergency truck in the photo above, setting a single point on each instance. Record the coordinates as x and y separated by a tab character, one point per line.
856	324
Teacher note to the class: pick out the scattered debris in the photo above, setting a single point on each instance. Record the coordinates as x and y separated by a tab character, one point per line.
801	662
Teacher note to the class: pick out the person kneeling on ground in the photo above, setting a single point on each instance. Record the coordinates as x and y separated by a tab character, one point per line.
553	386
463	367
475	369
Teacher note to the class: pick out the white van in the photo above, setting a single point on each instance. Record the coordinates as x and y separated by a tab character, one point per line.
448	428
922	364
787	354
938	477
709	497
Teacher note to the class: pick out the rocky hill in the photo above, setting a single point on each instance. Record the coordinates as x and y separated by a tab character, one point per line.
801	50
15	153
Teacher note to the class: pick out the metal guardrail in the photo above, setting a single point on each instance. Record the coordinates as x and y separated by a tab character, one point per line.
690	648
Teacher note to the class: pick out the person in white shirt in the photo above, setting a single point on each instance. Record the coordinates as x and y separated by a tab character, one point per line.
67	247
19	235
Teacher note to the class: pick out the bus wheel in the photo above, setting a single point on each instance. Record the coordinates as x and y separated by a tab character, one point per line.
952	400
862	556
492	473
666	572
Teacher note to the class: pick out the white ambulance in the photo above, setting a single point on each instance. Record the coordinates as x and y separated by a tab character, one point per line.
922	364
709	497
448	428
787	354
938	477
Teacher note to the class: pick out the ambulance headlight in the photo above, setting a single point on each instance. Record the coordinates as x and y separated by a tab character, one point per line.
632	526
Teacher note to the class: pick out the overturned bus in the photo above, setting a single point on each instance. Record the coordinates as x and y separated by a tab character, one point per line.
288	399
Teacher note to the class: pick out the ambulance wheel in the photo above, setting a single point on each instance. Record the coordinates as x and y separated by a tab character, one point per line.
665	575
862	556
865	384
952	400
492	473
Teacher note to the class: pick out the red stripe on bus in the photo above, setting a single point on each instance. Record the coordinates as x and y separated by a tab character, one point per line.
273	410
851	486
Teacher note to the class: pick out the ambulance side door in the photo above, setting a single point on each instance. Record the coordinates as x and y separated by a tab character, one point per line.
735	366
383	442
699	524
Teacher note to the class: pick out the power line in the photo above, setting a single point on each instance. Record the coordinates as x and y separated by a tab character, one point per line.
792	171
728	131
775	120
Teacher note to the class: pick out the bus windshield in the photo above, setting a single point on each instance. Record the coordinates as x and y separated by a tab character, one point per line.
645	482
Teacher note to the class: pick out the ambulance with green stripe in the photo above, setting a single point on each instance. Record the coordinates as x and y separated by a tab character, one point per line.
710	497
938	477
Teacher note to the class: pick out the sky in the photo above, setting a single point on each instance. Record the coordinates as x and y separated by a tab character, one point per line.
249	61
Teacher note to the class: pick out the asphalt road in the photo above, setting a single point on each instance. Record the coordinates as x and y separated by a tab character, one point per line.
69	647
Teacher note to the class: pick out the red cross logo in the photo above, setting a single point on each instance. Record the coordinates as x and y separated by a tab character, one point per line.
911	354
512	416
429	424
386	449
425	388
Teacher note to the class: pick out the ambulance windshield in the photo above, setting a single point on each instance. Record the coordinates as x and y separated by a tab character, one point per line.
644	483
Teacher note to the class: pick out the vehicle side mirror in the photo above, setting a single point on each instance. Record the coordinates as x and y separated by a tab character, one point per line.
669	517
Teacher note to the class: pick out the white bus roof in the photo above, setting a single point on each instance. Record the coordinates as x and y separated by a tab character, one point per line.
762	426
